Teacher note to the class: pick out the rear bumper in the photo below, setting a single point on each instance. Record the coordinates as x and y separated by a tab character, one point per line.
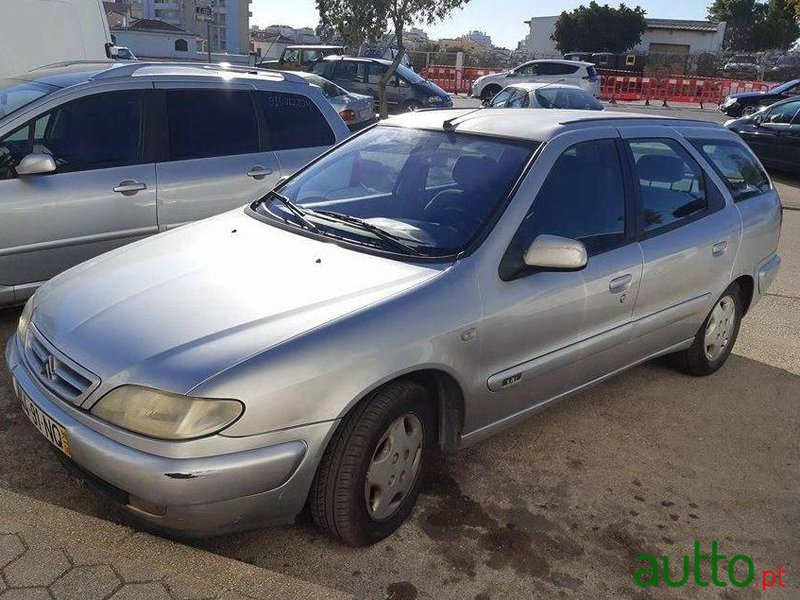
200	496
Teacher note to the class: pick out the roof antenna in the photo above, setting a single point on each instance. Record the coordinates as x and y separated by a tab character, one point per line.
450	124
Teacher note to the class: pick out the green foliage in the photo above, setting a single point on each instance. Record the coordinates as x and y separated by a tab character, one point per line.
754	25
597	28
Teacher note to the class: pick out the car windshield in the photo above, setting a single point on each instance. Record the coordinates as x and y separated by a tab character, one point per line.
329	89
564	97
409	75
409	191
16	94
785	87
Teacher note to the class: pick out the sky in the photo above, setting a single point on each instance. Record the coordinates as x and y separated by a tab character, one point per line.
501	19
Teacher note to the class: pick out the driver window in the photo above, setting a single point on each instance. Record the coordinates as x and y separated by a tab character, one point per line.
519	99
583	198
782	114
95	132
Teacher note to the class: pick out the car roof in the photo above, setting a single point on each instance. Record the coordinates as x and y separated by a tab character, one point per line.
560	61
530	123
535	85
73	73
314	47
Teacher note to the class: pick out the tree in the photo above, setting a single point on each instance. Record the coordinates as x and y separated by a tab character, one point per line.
753	25
370	18
598	28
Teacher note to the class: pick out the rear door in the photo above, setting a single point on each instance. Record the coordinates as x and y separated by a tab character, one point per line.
102	194
688	236
215	156
295	127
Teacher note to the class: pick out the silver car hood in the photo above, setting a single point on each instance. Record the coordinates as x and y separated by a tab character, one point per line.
175	309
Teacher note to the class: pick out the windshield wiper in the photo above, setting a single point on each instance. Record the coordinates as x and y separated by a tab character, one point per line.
381	234
294	209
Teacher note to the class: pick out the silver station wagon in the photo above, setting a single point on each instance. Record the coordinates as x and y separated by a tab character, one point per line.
427	283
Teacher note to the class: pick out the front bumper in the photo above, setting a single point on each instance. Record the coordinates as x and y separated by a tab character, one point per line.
229	490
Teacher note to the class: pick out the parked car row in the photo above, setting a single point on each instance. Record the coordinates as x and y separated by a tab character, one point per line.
426	283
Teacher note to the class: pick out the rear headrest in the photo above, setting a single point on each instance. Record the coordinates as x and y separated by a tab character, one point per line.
471	172
663	169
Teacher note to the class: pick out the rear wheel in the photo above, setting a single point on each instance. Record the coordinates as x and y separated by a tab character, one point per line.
370	476
714	341
412	106
489	92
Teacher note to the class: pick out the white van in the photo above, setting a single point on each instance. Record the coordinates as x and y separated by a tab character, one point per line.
34	33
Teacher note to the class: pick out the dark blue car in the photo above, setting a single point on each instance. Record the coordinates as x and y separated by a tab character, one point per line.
749	103
406	91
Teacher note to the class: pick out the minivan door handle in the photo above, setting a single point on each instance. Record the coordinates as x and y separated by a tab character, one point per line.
620	284
129	187
720	248
259	172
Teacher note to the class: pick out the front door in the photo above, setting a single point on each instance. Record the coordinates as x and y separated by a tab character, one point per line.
688	239
772	139
101	195
550	332
215	159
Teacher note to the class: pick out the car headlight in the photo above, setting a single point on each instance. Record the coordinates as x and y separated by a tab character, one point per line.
729	102
166	416
435	100
25	318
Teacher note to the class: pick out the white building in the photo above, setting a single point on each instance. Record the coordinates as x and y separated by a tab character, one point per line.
230	29
151	38
669	36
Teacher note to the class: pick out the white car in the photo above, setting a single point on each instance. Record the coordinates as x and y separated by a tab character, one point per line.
545	95
574	72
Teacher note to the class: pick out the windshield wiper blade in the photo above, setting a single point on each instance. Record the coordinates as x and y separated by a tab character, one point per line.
381	234
295	210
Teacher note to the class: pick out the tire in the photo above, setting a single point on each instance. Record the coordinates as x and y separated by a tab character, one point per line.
749	110
374	443
412	106
714	342
489	92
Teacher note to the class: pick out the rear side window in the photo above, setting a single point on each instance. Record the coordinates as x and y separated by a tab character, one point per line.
207	123
782	114
294	121
583	198
736	166
671	184
548	68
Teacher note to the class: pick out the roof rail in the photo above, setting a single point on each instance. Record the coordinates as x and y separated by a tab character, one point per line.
129	69
69	63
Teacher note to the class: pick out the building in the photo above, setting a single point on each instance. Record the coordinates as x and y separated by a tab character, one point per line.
230	29
669	36
480	37
462	44
151	38
301	35
269	45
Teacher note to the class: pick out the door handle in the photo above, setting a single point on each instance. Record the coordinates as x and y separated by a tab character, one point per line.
719	249
620	284
129	187
259	172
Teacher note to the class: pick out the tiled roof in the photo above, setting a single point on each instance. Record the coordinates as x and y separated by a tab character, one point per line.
154	25
682	25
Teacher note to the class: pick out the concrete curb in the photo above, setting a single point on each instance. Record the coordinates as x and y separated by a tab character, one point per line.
111	560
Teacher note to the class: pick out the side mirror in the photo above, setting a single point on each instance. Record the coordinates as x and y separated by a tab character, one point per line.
36	164
554	252
758	119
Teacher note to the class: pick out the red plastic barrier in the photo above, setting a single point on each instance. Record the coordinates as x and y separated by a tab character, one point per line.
617	88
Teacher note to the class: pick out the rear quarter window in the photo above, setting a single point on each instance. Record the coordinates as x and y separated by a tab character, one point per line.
294	121
737	167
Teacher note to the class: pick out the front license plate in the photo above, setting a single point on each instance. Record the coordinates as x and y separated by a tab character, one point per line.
53	431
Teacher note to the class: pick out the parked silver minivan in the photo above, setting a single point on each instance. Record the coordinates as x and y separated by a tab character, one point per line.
97	155
430	282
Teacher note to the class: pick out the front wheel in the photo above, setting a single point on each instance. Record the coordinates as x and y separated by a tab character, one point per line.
370	476
489	92
714	341
749	110
412	106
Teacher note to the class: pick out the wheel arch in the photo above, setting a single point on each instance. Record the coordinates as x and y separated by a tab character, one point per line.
746	285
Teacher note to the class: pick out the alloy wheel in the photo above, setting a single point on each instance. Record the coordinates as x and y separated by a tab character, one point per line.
719	328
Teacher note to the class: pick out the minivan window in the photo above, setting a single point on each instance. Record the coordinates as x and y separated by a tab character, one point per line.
551	68
95	132
432	190
208	123
16	94
737	167
671	184
294	121
583	198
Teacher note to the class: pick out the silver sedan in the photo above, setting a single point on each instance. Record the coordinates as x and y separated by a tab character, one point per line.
429	282
356	110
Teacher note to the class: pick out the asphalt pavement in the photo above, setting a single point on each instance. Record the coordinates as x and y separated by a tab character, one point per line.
561	505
